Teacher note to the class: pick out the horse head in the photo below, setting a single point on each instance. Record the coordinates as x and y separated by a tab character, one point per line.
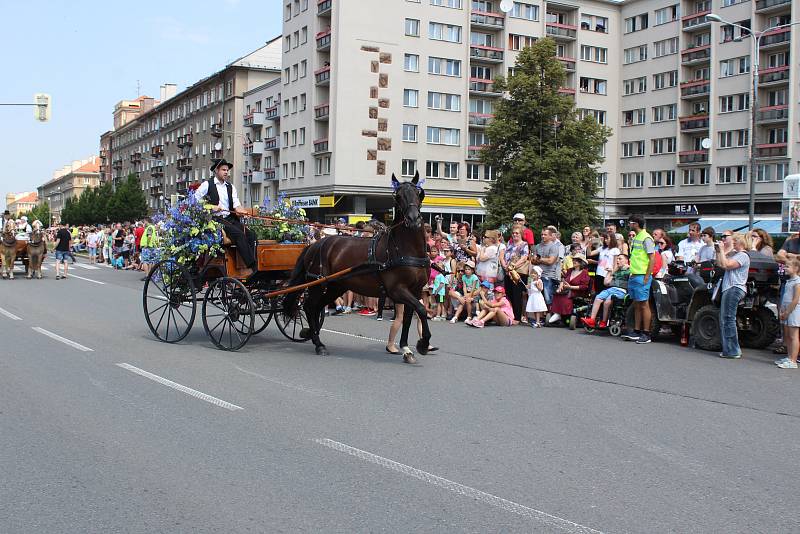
408	198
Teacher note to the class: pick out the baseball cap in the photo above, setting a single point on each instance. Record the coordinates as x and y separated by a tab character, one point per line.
499	289
487	284
519	216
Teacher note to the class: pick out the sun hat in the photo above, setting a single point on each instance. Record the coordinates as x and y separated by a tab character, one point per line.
470	264
538	270
487	284
499	289
519	216
581	258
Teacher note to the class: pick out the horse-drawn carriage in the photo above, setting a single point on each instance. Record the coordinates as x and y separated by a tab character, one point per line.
29	252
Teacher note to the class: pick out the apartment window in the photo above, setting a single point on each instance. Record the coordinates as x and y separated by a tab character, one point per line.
301	169
662	178
411	63
444	32
302	136
295	72
731	103
410	98
473	171
321	165
450	169
668	14
285	139
728	3
303	102
632	180
594	23
443	136
478	139
408	167
410	133
522	10
635	54
667	112
593	86
667	47
294	170
634	117
735	33
664	80
286	75
294	104
304	35
518	42
779	59
736	174
287	43
477	105
484	73
432	169
444	101
734	66
597	114
664	145
634	86
455	4
296	39
777	98
444	66
412	27
778	136
637	23
596	54
734	138
633	149
229	88
303	68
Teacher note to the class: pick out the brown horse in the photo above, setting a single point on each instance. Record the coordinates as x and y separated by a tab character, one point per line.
393	263
36	251
8	249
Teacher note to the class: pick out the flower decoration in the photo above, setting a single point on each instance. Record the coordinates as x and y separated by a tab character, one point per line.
288	230
190	232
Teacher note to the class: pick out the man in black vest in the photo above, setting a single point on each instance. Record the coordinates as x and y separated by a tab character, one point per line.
221	194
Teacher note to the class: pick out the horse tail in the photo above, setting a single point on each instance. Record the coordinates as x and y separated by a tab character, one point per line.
297	277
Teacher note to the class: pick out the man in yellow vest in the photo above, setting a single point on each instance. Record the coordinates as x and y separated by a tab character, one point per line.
149	253
642	254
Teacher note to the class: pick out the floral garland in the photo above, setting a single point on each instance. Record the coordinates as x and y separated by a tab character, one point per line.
190	232
280	231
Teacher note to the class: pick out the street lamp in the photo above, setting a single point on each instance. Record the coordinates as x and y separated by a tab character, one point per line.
713	17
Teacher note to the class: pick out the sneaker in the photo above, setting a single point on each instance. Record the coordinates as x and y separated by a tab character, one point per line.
533	324
644	338
588	321
732	356
468	321
479	324
554	318
454	320
788	364
781	360
347	309
631	336
367	312
379	318
338	310
602	324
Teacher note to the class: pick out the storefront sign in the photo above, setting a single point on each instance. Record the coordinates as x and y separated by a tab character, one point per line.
312	202
686	209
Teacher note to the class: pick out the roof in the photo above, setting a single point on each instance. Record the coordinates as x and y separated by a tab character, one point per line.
92	166
27	199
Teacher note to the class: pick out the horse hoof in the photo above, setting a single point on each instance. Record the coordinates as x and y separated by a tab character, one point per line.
305	333
409	358
422	347
322	351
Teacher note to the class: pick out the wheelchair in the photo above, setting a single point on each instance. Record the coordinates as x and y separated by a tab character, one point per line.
616	317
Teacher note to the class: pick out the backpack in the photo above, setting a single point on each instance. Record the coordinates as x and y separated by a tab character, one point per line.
658	263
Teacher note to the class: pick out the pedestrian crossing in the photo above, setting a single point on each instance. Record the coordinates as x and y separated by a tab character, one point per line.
51	266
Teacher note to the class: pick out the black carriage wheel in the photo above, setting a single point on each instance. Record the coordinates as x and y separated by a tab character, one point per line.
228	313
293	323
263	313
169	301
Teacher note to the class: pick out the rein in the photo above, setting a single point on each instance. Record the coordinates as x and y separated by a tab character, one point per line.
309	223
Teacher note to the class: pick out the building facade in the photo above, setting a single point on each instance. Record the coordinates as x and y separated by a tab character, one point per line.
69	182
260	172
19	203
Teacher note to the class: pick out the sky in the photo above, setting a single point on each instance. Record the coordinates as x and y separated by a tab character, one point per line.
88	55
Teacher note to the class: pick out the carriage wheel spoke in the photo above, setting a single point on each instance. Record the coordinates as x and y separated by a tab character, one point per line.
161	318
178	311
154	311
175	322
224	318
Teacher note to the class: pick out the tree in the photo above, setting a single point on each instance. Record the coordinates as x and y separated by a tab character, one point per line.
128	202
544	157
40	213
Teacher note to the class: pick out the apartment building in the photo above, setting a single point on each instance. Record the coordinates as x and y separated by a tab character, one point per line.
69	182
172	145
19	203
261	144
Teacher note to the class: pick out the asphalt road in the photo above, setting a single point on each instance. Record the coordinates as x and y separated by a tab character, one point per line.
105	429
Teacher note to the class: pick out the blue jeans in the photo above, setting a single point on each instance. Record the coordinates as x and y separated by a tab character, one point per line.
548	288
727	321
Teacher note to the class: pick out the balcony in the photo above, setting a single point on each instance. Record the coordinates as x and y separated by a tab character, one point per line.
273	113
568	91
321	146
474	152
323	76
117	164
136	157
488	54
776	39
695	89
568	62
767	6
694	123
483	87
322	112
156	190
487	20
256	148
184	140
691	157
216	154
271	143
768	114
157	171
324	8
773	76
271	174
253	176
324	41
696	21
157	151
216	129
184	163
254	119
696	55
480	120
772	150
558	31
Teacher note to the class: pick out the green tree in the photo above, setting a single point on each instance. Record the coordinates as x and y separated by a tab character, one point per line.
544	157
128	202
68	212
40	213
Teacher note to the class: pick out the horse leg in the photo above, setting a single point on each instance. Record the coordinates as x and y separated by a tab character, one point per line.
312	306
408	354
425	341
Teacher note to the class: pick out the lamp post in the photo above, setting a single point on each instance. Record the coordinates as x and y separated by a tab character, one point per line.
755	60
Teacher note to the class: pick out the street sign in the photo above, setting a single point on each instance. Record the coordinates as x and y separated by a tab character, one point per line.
686	209
42	105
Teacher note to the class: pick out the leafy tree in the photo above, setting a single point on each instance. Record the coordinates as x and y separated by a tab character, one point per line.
40	213
128	202
68	212
543	155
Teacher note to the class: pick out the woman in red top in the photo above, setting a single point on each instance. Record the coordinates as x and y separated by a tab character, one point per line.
575	284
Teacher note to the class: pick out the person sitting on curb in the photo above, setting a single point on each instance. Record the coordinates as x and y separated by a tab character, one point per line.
497	309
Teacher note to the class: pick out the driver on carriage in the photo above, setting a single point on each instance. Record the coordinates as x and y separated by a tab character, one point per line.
221	194
24	229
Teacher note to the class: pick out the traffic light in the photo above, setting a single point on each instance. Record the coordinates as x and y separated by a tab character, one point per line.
42	106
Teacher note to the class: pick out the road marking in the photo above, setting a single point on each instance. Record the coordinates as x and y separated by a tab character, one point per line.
87	279
348	334
174	385
61	339
304	389
9	315
509	506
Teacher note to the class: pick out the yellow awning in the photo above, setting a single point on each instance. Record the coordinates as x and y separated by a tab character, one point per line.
451	202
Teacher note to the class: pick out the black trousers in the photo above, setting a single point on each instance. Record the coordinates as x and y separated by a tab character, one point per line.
245	241
514	294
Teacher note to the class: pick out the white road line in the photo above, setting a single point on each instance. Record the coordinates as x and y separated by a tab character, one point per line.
304	389
509	506
87	279
9	315
348	334
62	339
87	267
174	385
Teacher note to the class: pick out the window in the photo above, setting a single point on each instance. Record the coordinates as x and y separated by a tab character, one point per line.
478	139
778	136
477	105
321	165
735	33
668	14
432	169
473	171
734	138
444	67
304	35
295	72
443	136
411	63
296	39
450	170
662	178
699	176
303	102
593	86
732	175
633	149
596	54
663	80
637	23
518	42
598	114
410	133
412	27
634	86
632	180
286	75
455	4
777	98
302	138
731	103
664	145
410	98
521	10
634	117
444	32
594	23
303	68
734	66
287	43
728	3
287	12
408	167
667	112
444	101
635	54
667	47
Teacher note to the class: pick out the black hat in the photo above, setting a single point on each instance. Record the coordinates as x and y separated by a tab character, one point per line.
217	162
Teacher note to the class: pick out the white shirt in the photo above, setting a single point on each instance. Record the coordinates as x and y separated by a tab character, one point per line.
24	231
222	191
606	259
687	250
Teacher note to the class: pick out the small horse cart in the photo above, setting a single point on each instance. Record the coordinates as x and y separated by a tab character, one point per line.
233	308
